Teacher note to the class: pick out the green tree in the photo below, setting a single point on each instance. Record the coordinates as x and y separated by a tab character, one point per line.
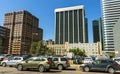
33	48
50	51
78	52
41	48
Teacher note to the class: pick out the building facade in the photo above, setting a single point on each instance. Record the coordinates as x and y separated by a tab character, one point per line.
111	15
97	30
116	32
23	31
4	40
70	25
96	33
91	49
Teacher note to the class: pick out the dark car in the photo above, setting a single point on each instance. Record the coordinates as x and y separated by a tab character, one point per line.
101	65
77	60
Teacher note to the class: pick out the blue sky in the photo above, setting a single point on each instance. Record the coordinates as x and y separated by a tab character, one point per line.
44	10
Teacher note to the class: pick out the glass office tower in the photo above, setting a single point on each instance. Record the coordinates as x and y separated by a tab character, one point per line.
70	25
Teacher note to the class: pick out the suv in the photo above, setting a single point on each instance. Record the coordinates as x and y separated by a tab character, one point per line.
11	61
40	63
101	65
59	62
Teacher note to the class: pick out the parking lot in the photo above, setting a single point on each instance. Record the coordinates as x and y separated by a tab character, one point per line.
12	70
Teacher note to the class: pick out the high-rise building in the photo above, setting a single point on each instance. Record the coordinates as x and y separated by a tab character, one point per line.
70	25
4	40
97	30
116	33
111	15
23	31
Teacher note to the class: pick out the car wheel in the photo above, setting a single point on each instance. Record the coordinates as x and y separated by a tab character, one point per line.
60	67
20	67
86	69
4	64
111	70
41	68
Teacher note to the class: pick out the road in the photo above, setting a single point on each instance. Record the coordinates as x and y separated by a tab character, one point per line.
12	70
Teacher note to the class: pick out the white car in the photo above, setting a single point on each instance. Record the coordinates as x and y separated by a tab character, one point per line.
117	60
87	60
11	61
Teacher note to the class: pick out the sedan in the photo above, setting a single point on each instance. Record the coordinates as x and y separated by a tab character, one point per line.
101	65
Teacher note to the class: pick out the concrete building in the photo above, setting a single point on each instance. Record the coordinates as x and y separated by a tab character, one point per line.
91	49
4	40
111	15
70	25
23	31
116	32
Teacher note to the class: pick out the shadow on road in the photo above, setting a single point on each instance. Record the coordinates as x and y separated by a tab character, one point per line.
51	71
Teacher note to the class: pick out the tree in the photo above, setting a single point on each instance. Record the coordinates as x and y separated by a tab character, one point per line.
50	51
33	48
39	47
78	52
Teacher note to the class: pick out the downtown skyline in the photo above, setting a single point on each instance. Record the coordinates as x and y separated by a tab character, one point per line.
44	10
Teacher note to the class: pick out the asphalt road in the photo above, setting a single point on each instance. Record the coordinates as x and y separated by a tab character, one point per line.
12	70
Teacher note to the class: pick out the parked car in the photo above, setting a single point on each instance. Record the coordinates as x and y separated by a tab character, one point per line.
59	63
77	60
101	65
3	57
40	63
12	61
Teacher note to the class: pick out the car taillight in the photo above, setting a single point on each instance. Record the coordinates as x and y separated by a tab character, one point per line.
67	62
5	58
48	62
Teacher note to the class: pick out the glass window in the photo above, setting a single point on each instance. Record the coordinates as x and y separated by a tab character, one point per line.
37	59
63	59
55	59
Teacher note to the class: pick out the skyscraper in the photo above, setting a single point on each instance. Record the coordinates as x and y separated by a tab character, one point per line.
111	14
97	30
23	30
70	25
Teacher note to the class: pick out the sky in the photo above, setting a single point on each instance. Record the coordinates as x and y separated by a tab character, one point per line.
44	10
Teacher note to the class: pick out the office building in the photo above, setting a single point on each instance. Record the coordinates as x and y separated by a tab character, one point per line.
116	33
70	25
4	40
97	30
23	31
111	15
91	49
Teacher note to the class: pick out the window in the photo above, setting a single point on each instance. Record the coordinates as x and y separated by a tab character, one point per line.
55	59
104	61
63	59
37	59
